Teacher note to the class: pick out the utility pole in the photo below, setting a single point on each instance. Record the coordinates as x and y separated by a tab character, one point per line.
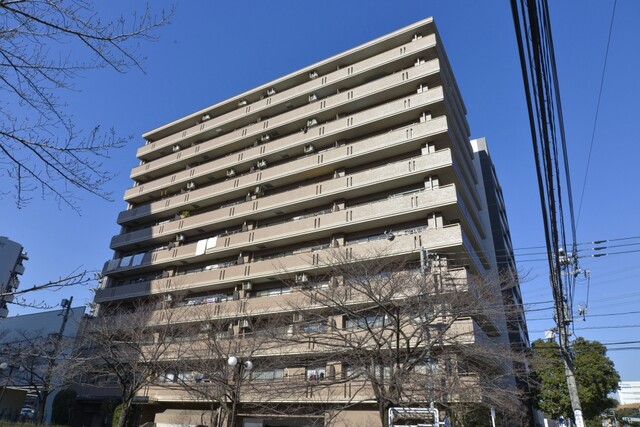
53	356
568	263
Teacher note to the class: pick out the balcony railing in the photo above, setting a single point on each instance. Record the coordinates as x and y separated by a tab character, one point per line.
329	80
407	206
374	117
447	239
293	199
365	94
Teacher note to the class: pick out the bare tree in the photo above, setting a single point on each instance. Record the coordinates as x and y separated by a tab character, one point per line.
128	349
405	333
226	331
37	361
44	45
205	374
20	298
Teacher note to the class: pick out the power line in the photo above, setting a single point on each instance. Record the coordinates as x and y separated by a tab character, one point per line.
542	90
608	327
589	328
593	242
621	342
595	120
609	253
591	315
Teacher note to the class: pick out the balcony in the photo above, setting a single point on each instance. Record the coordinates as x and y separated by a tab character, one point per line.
289	390
393	210
322	162
366	96
450	239
329	82
295	390
463	331
375	119
365	182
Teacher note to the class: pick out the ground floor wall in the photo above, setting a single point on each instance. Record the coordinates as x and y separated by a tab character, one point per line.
11	403
197	417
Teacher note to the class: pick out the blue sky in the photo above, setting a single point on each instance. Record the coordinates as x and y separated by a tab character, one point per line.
212	51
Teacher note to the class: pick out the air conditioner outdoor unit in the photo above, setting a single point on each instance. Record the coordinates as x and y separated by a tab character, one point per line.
180	237
271	92
313	97
247	286
261	164
312	122
244	323
231	172
313	75
191	185
259	191
302	278
308	149
206	117
265	138
176	148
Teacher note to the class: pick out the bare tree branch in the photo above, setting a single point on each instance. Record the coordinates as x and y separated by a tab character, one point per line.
23	297
44	45
123	353
402	336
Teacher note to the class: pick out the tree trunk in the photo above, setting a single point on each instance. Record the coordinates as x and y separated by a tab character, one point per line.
124	413
42	403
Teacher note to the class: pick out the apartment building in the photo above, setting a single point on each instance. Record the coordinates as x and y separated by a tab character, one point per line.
239	203
12	255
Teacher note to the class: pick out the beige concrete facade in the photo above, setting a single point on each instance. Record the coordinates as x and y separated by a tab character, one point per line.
234	201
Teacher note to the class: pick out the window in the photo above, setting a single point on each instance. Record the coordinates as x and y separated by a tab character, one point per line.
352	372
315	327
185	376
272	291
370	321
224	335
316	373
428	367
271	374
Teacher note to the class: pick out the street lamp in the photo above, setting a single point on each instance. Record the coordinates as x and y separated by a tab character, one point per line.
234	361
238	366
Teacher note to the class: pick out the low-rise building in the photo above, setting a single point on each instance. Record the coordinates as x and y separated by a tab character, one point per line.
34	349
629	392
12	256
